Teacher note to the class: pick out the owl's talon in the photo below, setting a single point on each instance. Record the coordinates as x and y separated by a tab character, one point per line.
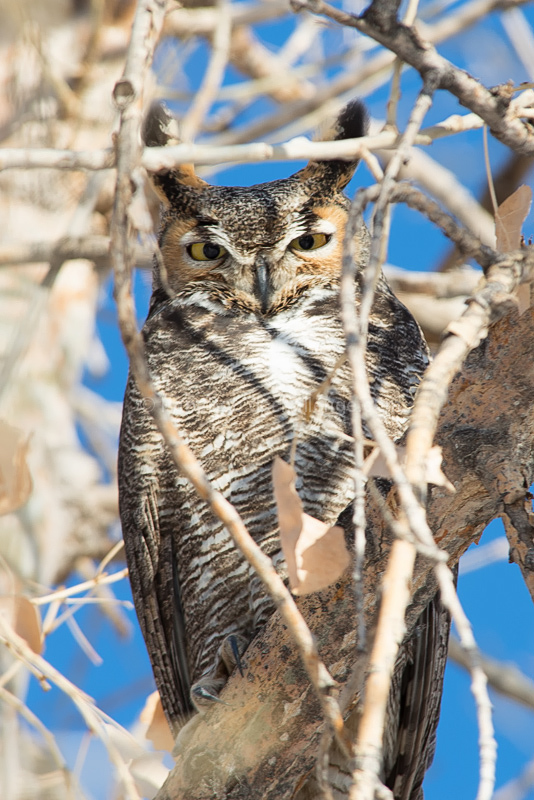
202	694
206	692
237	655
231	651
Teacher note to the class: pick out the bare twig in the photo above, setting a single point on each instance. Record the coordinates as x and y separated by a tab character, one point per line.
213	78
520	34
389	635
128	157
445	187
420	54
203	21
507	679
94	248
101	579
518	788
43	157
156	158
94	718
391	119
503	274
47	735
298	117
491	301
489	177
271	72
479	688
390	629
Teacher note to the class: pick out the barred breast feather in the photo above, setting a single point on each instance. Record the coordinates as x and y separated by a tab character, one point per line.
237	390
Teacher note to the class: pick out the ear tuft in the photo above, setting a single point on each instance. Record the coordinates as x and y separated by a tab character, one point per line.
351	123
161	129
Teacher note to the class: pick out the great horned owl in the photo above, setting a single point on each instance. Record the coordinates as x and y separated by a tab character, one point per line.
243	325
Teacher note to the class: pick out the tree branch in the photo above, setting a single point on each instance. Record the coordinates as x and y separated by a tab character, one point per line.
492	105
127	94
506	679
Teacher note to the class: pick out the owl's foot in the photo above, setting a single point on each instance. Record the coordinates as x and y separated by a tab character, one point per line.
206	691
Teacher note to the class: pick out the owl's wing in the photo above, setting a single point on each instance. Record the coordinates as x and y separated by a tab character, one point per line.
155	586
178	652
420	690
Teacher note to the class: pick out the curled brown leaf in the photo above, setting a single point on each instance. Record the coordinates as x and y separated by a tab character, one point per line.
509	219
315	553
158	731
15	478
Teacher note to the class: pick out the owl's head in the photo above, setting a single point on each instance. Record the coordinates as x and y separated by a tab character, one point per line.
256	248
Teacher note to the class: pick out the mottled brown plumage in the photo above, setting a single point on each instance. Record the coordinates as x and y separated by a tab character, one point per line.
249	328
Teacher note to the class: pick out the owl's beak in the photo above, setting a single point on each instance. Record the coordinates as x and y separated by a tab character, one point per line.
262	284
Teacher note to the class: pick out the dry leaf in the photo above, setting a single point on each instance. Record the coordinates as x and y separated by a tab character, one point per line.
315	554
24	618
523	298
289	510
375	466
510	217
158	731
28	623
434	473
15	478
322	556
509	220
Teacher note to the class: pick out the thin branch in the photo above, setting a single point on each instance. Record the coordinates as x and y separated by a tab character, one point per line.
389	635
186	22
445	187
489	176
391	119
297	117
479	684
491	105
94	248
380	223
390	629
157	158
213	77
507	679
47	157
300	148
521	37
92	715
100	579
128	158
490	302
22	709
518	788
272	73
504	273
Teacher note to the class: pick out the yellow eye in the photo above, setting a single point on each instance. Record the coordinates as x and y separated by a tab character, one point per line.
310	241
206	251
